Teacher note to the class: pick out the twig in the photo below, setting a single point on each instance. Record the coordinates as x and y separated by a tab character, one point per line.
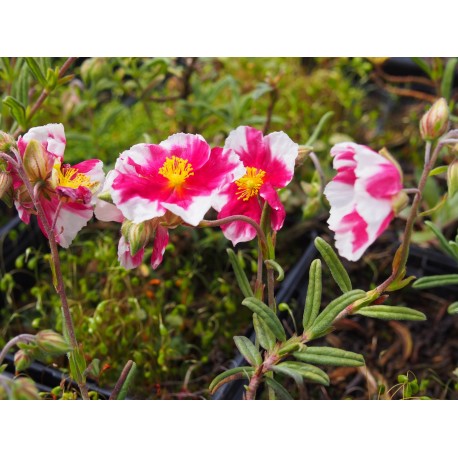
44	94
122	379
21	338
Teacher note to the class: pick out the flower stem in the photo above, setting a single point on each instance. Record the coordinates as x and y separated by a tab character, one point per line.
403	251
59	284
21	338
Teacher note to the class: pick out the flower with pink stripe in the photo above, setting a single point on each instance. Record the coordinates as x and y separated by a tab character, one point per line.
182	175
364	196
269	163
66	192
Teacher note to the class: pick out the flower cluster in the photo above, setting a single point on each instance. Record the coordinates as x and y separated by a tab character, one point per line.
155	188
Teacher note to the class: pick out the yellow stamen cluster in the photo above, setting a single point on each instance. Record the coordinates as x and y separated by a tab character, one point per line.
69	177
249	184
176	170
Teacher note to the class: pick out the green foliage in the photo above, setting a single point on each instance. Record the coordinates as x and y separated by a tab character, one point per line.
331	259
389	312
329	356
313	299
248	350
434	281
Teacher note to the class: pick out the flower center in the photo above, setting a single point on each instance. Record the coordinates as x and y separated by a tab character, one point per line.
248	185
69	177
176	170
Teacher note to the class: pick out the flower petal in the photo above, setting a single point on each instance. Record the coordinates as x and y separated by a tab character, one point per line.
191	147
277	213
125	258
51	136
161	239
191	211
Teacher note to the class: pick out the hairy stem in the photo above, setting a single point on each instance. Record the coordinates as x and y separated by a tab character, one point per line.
122	379
21	338
59	286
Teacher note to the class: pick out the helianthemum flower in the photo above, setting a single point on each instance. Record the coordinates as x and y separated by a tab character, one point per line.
157	187
66	193
269	163
364	196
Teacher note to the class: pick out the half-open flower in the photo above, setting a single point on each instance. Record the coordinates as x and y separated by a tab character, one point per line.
364	196
181	175
66	193
269	163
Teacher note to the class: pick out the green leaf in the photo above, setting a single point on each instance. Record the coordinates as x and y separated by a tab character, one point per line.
442	240
313	300
434	281
389	312
265	336
229	375
281	392
267	315
17	109
240	275
127	382
36	70
438	170
248	350
447	79
399	284
318	128
77	365
338	271
271	264
453	308
423	65
298	371
327	316
329	356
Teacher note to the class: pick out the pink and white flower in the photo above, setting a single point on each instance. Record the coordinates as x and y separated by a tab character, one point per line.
269	163
181	175
364	196
66	193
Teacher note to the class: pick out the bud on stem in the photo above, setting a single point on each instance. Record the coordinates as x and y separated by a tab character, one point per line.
435	121
52	343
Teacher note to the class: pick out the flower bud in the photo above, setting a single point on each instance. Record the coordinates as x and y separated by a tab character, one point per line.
435	121
22	360
137	235
24	389
52	343
452	178
6	184
35	161
400	202
6	142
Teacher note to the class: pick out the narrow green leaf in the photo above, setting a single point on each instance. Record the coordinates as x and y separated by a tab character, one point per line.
229	375
270	263
438	170
289	347
447	79
248	350
329	356
281	392
389	312
331	259
36	70
298	370
265	336
127	383
453	308
268	316
17	109
327	316
240	275
434	281
399	284
313	300
423	65
442	240
319	127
